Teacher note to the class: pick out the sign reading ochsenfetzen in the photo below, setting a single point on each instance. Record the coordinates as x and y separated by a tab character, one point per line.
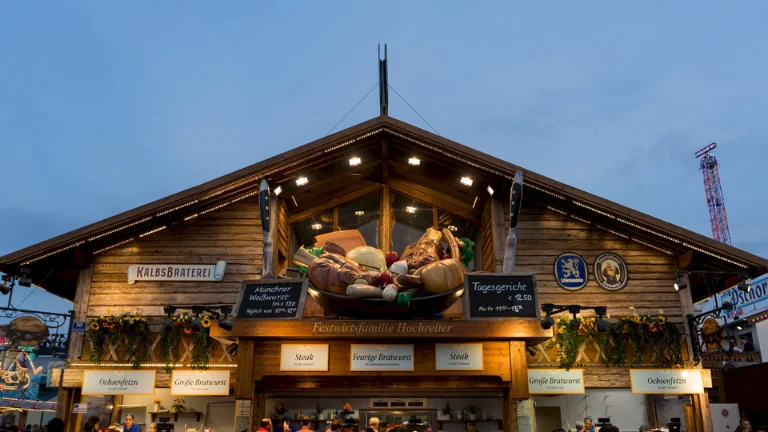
459	356
666	381
118	382
556	381
364	357
176	272
200	383
304	357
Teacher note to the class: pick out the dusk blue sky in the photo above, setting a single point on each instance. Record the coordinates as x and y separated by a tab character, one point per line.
105	106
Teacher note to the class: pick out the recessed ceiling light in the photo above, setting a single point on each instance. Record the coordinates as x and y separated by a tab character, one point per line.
410	209
301	181
466	181
278	190
359	213
355	161
414	161
452	228
316	226
490	190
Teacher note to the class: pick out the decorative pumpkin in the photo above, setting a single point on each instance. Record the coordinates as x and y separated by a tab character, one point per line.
368	256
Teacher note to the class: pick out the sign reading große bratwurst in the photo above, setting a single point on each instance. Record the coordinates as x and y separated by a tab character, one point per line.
271	299
492	295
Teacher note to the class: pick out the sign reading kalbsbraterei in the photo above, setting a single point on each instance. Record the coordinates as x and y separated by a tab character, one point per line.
373	357
176	272
118	382
556	381
272	299
666	381
200	383
459	356
490	295
304	357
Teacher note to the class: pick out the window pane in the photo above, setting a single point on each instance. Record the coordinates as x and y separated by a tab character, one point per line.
306	230
362	215
410	220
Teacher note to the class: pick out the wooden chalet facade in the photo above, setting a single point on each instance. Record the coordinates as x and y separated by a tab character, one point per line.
220	221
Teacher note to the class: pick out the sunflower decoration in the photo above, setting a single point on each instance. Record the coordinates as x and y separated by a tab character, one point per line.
205	322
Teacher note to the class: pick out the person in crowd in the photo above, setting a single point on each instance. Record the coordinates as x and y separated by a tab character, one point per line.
336	426
761	429
471	426
35	428
265	425
129	425
745	422
152	428
283	425
559	430
579	426
373	423
742	428
588	426
306	424
88	427
370	429
94	420
12	428
28	428
748	346
55	425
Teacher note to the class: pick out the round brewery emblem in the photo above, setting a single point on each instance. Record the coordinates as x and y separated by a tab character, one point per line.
610	271
571	271
724	412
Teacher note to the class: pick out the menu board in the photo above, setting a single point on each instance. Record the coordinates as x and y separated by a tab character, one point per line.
493	295
272	299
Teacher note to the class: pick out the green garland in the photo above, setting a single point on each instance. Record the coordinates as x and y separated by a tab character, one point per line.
169	347
202	343
110	330
201	349
637	331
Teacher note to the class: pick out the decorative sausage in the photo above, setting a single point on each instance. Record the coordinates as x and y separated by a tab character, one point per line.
410	281
364	291
390	293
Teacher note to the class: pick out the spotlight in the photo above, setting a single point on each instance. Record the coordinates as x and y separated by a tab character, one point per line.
316	226
575	309
601	324
167	324
195	323
410	209
414	161
490	190
226	323
25	277
547	322
681	284
232	349
359	213
7	285
531	352
575	323
739	327
301	181
744	287
466	181
169	310
278	190
355	161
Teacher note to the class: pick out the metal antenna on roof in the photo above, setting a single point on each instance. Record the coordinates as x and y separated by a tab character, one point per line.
383	83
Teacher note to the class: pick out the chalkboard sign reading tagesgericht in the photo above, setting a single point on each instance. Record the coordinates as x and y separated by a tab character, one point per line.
272	299
493	295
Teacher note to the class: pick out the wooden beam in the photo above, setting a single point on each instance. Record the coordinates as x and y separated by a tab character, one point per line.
434	198
685	261
244	383
518	367
80	306
527	329
385	221
354	192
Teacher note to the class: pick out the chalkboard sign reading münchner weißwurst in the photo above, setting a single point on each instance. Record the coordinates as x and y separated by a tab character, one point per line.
493	295
272	299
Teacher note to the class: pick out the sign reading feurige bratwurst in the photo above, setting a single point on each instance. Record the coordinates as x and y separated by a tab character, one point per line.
272	299
365	357
118	382
556	381
459	356
304	357
666	381
491	295
176	272
200	383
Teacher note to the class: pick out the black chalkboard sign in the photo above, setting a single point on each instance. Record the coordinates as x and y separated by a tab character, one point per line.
266	299
493	295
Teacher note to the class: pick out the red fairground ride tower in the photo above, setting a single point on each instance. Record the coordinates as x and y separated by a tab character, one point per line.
714	192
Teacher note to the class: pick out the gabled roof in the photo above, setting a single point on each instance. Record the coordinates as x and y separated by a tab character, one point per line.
243	183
